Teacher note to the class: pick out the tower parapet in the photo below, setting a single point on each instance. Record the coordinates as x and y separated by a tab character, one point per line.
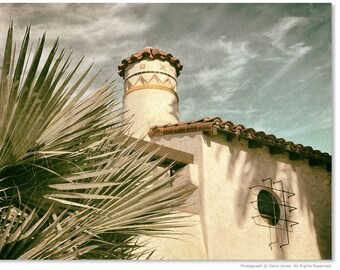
150	89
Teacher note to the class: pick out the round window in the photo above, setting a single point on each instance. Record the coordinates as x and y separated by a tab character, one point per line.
268	207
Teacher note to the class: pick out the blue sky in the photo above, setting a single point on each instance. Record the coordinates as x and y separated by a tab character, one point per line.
266	66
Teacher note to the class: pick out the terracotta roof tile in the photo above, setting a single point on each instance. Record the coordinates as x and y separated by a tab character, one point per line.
208	124
149	53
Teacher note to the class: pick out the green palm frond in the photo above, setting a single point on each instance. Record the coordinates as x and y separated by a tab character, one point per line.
70	185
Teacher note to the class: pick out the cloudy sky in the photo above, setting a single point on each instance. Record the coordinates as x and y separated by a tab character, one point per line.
266	66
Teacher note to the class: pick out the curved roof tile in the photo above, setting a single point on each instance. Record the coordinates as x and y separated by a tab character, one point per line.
149	53
207	124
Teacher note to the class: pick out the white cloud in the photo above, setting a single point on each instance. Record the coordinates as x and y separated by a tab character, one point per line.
235	56
85	23
281	29
298	50
239	64
278	36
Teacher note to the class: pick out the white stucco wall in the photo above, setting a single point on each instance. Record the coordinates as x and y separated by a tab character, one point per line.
150	96
190	245
225	171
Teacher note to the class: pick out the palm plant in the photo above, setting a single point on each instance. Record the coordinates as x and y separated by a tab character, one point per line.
70	186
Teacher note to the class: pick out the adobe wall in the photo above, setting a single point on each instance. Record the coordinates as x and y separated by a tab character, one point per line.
190	245
150	95
231	168
225	172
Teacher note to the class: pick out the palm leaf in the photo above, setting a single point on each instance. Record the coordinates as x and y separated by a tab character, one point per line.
70	186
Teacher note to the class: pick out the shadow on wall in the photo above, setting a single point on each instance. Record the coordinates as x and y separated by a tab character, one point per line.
249	170
173	109
313	184
316	187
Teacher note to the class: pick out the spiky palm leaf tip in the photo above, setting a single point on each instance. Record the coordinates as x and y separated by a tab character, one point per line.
70	186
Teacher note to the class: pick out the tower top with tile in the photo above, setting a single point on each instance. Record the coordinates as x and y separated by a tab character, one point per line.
150	89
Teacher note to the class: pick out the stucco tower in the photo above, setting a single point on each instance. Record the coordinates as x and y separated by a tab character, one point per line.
150	89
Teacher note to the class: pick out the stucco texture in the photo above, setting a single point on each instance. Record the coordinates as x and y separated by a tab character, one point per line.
225	170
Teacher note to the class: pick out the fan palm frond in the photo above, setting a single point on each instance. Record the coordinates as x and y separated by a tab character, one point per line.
70	186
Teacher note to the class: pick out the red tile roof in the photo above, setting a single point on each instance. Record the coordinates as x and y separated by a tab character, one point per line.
149	53
208	124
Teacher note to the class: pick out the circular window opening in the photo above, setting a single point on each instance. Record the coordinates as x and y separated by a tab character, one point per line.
268	207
